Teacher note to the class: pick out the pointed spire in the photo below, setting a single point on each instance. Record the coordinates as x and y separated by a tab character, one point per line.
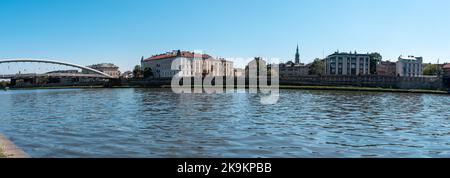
297	56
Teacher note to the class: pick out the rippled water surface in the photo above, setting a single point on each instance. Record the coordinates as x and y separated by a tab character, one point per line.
159	123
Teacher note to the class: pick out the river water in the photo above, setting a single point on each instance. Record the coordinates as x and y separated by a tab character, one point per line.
160	123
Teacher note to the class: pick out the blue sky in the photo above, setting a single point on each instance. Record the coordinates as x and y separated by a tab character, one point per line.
121	31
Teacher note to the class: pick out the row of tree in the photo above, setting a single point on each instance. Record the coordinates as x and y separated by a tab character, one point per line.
432	69
4	84
139	73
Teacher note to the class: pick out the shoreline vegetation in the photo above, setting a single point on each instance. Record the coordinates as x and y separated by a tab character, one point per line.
9	150
292	87
2	155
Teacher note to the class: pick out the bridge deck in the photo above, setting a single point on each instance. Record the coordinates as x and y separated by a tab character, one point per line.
15	76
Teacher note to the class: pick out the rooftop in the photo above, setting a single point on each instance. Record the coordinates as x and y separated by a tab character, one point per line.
178	53
349	53
102	65
446	66
409	57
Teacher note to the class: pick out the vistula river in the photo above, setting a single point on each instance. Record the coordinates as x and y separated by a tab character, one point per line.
159	123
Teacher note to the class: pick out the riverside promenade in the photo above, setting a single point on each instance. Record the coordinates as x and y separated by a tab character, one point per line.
9	150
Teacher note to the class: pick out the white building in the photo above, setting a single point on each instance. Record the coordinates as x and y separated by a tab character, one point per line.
409	66
107	68
189	64
347	64
239	72
127	75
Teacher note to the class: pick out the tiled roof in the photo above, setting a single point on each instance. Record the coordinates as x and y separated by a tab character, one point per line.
186	54
446	66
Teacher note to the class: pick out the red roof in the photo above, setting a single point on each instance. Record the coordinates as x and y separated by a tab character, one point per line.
446	66
185	54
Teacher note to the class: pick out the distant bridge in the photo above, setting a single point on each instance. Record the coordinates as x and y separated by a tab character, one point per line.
58	75
98	74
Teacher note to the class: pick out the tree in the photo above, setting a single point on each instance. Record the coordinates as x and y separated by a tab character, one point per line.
430	69
317	67
375	58
148	72
137	72
4	83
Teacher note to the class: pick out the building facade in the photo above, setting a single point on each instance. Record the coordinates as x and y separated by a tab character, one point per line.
410	66
107	68
446	70
127	75
239	72
347	64
187	64
387	68
257	66
291	69
295	68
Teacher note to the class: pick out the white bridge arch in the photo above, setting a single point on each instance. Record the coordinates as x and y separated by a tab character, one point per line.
56	62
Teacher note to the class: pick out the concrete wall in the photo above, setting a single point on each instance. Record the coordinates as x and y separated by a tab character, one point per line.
360	81
367	81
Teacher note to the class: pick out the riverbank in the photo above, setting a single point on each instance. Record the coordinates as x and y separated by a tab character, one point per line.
58	87
9	150
293	87
2	155
351	88
365	89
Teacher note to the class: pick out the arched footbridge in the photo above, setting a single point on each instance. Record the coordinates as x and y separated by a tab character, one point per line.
97	73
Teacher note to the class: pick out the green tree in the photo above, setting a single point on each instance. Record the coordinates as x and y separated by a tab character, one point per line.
375	58
317	67
148	72
430	69
4	83
137	72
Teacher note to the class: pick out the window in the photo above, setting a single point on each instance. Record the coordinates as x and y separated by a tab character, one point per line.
333	59
333	71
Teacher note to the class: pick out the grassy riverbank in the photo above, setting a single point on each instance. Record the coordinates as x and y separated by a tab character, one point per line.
330	88
352	88
2	149
366	89
9	150
59	87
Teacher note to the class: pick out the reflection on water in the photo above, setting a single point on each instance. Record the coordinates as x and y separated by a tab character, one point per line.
159	123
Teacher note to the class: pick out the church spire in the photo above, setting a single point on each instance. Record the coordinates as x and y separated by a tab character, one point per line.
297	56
